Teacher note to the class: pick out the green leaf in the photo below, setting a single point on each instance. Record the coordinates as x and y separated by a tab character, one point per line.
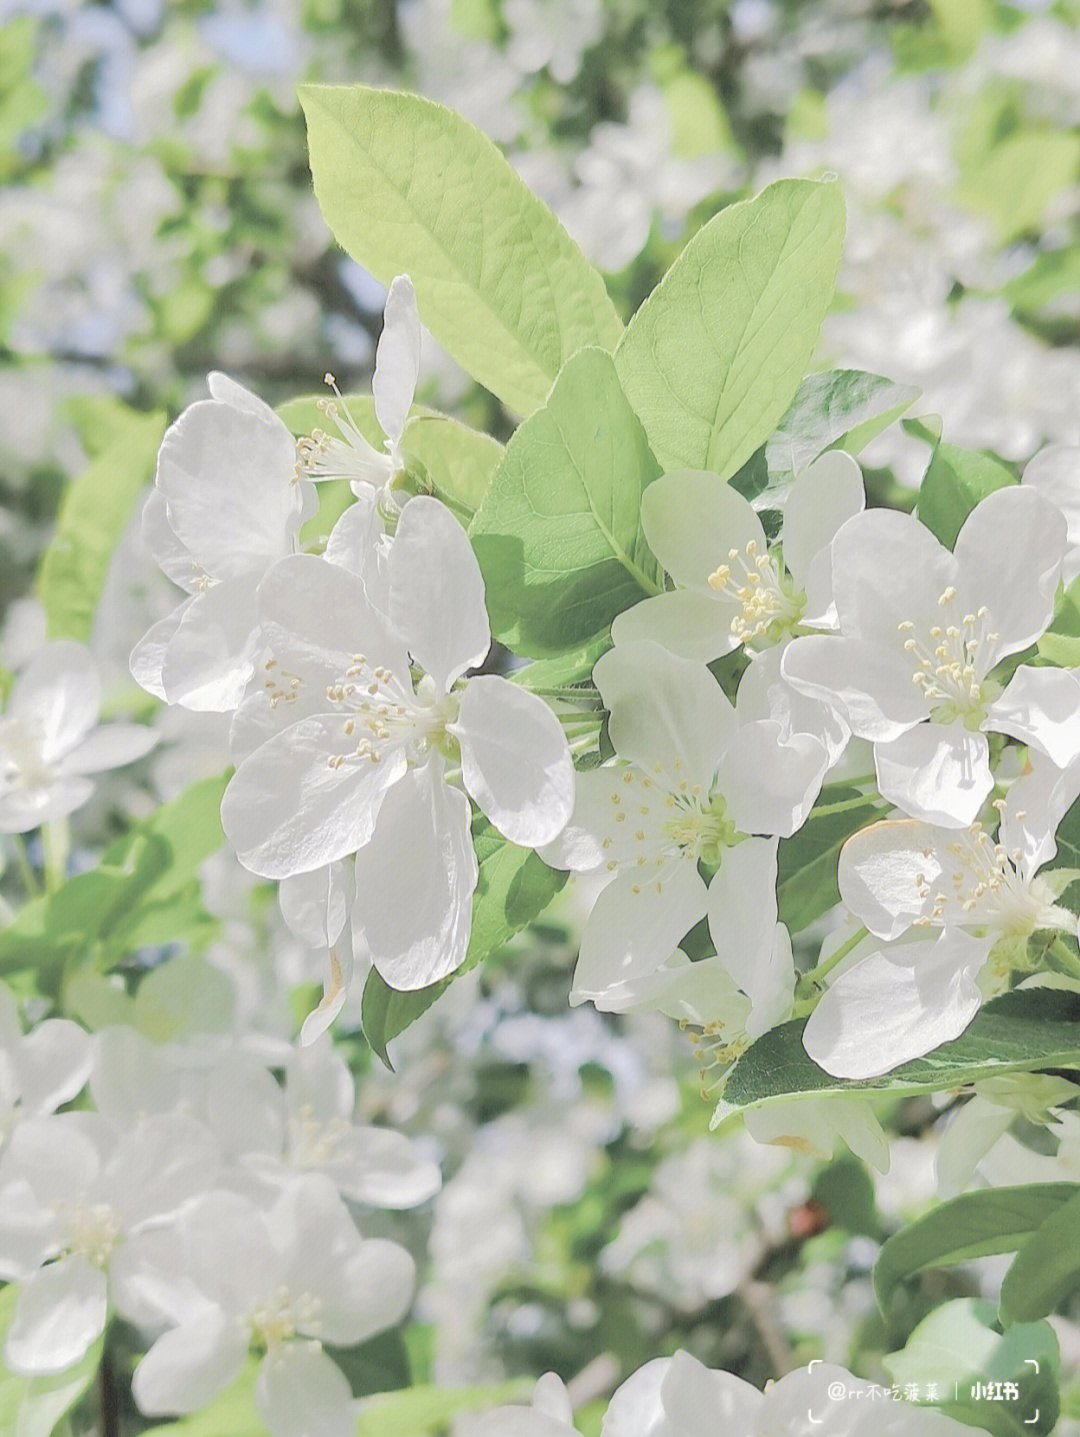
408	185
92	518
713	358
978	1224
806	862
513	888
33	1406
1019	1032
954	483
559	535
567	678
1060	644
834	409
459	461
957	1349
422	1411
1017	182
1047	1268
145	890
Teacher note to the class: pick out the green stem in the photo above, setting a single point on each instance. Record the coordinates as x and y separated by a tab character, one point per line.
29	878
810	984
56	841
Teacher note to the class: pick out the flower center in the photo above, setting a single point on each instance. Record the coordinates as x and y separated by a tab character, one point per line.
280	1317
768	606
383	713
22	756
700	828
93	1230
313	1143
951	661
347	455
986	887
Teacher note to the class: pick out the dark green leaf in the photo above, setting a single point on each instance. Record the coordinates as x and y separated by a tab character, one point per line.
1047	1268
806	863
954	483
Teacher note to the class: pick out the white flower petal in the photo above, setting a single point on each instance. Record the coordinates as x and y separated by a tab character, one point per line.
381	1168
397	360
551	1397
1009	553
771	781
515	761
687	622
59	1315
436	592
52	1065
890	873
594	835
59	689
937	772
57	1155
820	501
415	880
301	1392
168	553
896	1005
111	746
742	908
629	933
339	961
1041	707
28	1231
692	521
868	684
1055	474
286	811
228	475
971	1133
1034	806
189	1365
888	569
315	905
27	808
148	655
665	711
211	656
764	693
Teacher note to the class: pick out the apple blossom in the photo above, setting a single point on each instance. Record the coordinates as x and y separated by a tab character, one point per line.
74	1195
366	772
921	629
694	783
549	1414
397	367
51	741
1055	474
283	1280
228	502
39	1070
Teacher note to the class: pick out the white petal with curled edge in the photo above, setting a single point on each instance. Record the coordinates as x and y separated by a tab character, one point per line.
936	772
28	1231
228	391
437	592
1034	806
148	655
1009	553
229	478
339	964
821	500
189	1365
771	782
397	360
287	811
111	746
764	693
52	1064
211	657
635	924
693	520
692	623
60	689
59	1315
168	553
357	543
515	761
1041	707
315	905
1055	474
869	685
668	715
415	880
381	1168
896	1005
301	1392
890	873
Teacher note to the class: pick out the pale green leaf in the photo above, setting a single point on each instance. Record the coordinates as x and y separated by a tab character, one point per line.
407	185
559	535
713	358
1047	1268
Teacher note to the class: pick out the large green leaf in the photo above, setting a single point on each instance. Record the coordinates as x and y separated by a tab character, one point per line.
979	1224
1047	1267
408	185
806	862
1017	182
92	518
33	1406
715	355
559	535
513	887
834	409
954	483
423	1411
144	891
1016	1033
957	1350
